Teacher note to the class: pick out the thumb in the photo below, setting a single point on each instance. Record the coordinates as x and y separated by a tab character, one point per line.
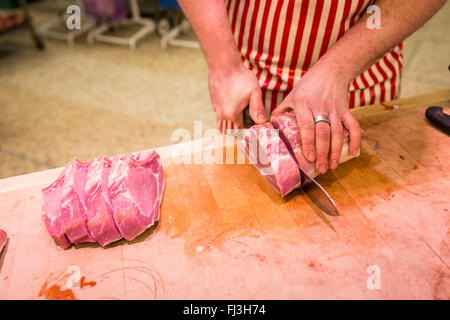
257	107
283	107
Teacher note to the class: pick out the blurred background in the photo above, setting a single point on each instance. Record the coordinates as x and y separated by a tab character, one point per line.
128	86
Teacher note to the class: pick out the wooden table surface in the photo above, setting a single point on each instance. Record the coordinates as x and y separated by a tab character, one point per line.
224	233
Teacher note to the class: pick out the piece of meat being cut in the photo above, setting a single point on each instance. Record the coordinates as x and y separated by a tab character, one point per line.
266	151
100	219
136	185
64	209
3	239
288	125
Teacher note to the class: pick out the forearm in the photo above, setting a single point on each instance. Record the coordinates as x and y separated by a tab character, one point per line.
360	46
210	22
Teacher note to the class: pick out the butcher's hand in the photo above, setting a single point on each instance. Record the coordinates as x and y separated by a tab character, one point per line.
232	89
322	91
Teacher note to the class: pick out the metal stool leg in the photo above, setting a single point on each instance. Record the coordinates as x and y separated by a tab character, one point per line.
37	40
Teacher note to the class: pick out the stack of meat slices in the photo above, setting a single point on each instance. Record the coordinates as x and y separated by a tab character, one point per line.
267	152
104	200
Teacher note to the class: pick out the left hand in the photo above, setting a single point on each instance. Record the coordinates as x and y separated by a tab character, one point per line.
322	91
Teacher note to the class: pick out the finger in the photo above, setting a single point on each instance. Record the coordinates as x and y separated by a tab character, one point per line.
337	140
355	132
284	106
257	111
219	114
239	123
307	132
233	112
322	146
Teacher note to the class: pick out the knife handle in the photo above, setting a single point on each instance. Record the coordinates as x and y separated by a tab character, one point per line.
436	115
248	121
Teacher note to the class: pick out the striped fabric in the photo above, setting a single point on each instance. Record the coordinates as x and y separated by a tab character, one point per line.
281	39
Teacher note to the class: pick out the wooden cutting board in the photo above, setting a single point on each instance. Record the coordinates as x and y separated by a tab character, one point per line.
224	233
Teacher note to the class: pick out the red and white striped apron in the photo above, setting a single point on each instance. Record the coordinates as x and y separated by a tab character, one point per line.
281	39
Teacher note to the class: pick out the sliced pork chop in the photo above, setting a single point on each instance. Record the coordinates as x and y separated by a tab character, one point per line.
155	165
64	210
100	221
136	185
73	208
51	210
288	125
267	152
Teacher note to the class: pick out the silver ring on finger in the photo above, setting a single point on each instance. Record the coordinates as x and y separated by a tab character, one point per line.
322	117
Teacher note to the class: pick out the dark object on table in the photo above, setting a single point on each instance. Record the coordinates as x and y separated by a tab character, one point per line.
436	115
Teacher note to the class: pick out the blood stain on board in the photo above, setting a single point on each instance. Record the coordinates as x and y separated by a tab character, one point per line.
316	266
259	256
388	196
55	292
84	283
389	107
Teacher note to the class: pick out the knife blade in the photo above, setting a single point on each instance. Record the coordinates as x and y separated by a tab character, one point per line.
309	185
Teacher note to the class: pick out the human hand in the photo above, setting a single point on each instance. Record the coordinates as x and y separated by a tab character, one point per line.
322	92
232	89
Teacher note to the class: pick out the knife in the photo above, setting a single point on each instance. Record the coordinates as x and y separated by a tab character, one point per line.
309	185
437	116
248	121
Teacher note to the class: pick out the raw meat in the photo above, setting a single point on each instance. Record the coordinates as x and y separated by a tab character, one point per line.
64	210
104	200
100	220
73	208
270	156
136	185
266	151
3	239
288	125
51	211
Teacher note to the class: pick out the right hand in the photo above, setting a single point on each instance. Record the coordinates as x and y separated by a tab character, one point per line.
232	90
